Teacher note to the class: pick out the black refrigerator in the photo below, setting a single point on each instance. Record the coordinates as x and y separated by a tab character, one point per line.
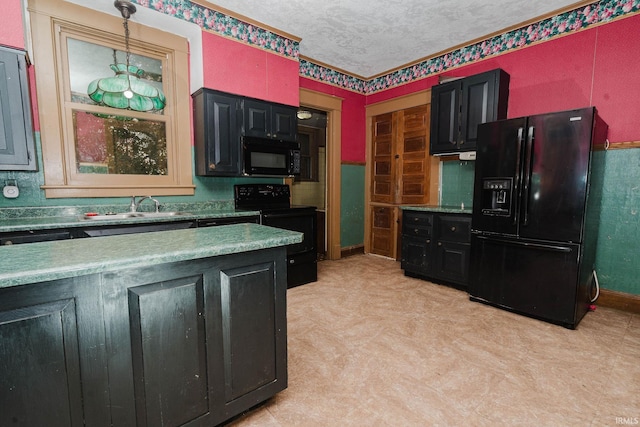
536	208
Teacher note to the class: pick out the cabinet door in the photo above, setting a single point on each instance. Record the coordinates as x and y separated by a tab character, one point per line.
284	122
251	338
416	255
452	262
484	99
257	119
196	342
52	364
414	165
445	113
383	230
17	150
217	136
383	186
160	367
453	235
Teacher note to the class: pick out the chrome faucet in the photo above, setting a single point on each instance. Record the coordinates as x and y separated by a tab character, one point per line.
133	206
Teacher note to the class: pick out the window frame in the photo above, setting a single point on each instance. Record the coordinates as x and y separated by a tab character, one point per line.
52	22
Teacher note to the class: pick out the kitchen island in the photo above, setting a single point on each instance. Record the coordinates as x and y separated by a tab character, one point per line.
161	328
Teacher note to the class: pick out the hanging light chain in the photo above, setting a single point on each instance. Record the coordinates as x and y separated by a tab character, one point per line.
125	24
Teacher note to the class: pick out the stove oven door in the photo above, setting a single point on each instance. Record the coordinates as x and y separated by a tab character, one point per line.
301	257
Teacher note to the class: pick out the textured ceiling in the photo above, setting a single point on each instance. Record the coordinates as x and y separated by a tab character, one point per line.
370	37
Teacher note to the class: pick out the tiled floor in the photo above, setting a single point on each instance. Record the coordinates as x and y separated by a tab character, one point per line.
371	347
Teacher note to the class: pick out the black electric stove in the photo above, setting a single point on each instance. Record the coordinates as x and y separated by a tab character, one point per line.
273	203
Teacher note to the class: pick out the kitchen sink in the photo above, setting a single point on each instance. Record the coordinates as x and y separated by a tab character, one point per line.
161	214
132	215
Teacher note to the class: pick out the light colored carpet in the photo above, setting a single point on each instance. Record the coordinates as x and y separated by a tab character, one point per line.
368	346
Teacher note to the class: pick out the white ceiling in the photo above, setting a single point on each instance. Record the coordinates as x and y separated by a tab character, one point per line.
370	37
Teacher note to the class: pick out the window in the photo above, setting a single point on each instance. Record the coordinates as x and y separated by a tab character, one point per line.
96	151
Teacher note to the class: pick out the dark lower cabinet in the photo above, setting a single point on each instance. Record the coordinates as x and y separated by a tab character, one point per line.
188	343
436	246
53	369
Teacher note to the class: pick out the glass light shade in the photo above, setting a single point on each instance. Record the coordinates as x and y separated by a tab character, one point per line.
125	90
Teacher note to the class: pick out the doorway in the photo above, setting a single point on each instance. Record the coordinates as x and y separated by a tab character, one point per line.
332	107
309	188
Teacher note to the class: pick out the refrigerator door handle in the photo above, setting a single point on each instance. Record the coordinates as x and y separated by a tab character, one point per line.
555	248
527	174
517	189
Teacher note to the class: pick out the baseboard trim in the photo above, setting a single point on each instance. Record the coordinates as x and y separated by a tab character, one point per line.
619	300
352	250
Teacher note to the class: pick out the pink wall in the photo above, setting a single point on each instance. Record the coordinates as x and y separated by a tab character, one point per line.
596	67
11	30
353	119
234	67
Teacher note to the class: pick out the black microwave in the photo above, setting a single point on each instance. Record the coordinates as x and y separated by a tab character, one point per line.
270	157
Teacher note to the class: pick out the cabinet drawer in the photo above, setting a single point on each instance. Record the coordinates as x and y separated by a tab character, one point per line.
455	229
417	218
416	231
417	224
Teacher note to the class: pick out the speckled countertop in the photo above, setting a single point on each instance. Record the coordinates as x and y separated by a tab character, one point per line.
39	262
441	209
16	219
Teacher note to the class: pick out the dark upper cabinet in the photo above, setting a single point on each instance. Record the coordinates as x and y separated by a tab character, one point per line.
458	107
217	120
17	149
221	119
268	120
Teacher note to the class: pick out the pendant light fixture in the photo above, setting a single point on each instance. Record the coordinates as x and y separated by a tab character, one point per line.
125	90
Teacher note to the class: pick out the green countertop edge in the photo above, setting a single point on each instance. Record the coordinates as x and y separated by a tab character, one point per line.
47	223
440	209
46	261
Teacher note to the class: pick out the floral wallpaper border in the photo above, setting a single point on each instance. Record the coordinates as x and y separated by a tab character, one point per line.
562	24
224	25
565	23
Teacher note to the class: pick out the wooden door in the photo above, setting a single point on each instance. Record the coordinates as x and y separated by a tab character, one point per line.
402	172
383	230
383	167
414	163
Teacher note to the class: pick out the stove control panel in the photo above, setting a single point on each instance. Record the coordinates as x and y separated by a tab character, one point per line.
262	195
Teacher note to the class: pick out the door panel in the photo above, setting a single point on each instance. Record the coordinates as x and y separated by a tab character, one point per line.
499	156
477	100
167	330
444	117
40	365
532	279
382	185
256	118
413	173
560	149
